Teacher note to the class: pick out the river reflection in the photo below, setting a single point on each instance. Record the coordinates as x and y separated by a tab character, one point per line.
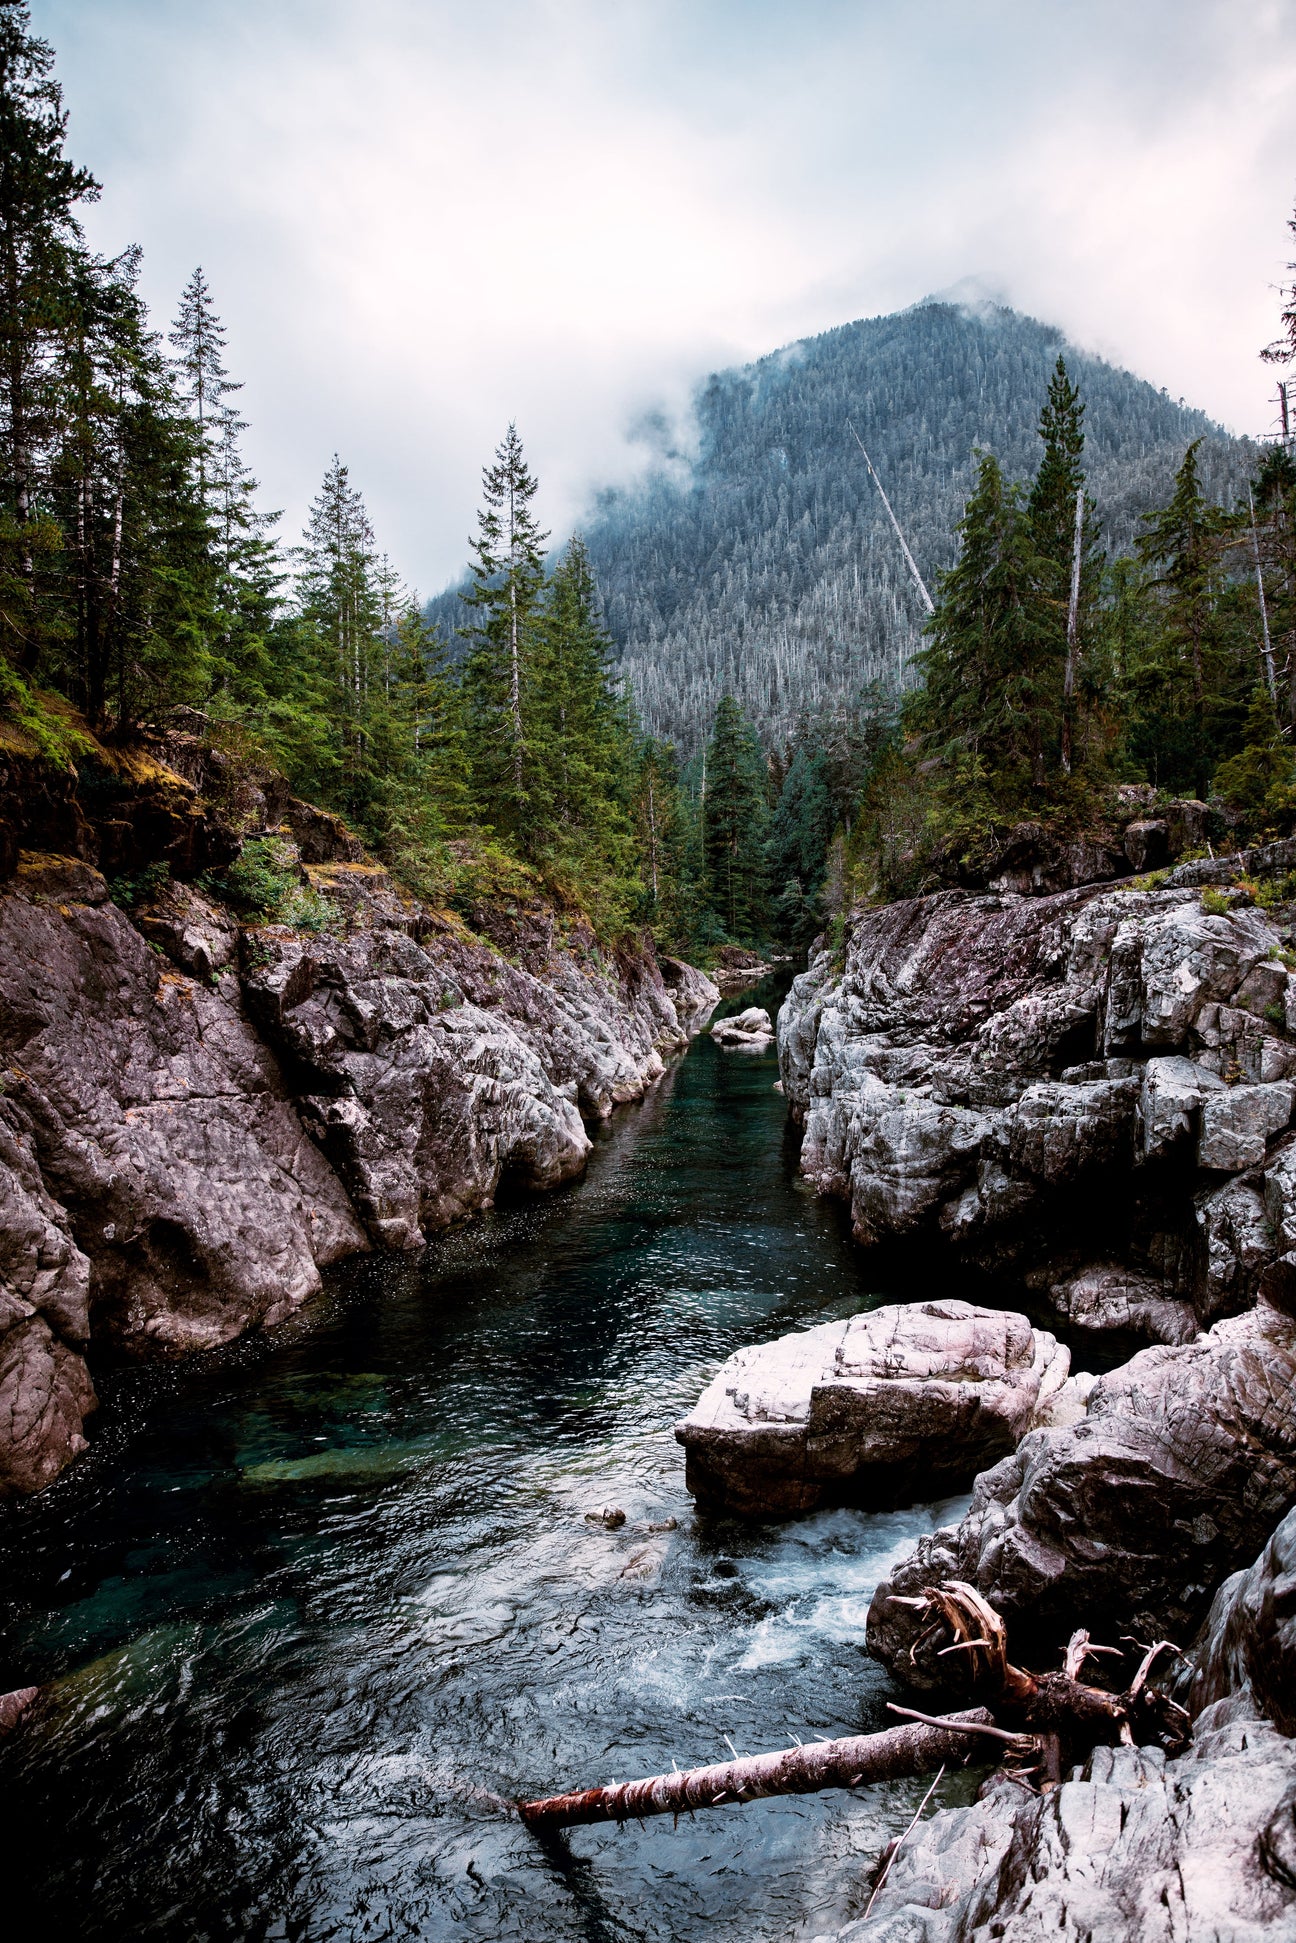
307	1609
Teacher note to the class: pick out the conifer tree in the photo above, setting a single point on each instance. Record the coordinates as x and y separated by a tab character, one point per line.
1051	512
42	257
992	698
734	818
1180	547
507	573
801	829
579	741
202	381
340	601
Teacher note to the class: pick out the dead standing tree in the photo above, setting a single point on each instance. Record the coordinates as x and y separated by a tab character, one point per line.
1038	1721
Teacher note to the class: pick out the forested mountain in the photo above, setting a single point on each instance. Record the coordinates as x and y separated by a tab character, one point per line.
771	572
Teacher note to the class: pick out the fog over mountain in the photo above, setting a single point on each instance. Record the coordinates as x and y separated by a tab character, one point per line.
761	563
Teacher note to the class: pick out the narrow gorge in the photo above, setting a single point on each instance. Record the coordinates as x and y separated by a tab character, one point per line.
382	1519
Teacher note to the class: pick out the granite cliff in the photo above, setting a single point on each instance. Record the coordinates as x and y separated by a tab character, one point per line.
198	1115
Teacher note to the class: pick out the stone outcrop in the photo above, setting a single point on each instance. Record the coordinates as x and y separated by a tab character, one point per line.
198	1115
45	1387
1110	1304
752	1030
901	1403
1249	1639
1132	1848
162	1124
1048	1086
431	1068
1128	1517
1197	1849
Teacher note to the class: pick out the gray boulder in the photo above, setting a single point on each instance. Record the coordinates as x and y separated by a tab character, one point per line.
1238	1123
753	1029
1108	1301
45	1388
196	934
1031	1078
1130	1849
162	1125
1249	1638
901	1403
1182	1464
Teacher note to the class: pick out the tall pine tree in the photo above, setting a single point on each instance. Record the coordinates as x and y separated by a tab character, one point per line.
735	812
507	575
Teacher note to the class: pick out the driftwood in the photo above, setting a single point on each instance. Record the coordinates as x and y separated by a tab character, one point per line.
1039	1722
892	1755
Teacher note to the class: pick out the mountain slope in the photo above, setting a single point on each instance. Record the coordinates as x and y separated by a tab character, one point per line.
770	571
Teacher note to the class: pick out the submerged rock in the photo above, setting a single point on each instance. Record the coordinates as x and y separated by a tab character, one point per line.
901	1403
1182	1463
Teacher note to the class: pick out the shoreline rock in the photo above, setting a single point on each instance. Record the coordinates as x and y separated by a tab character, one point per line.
199	1117
1049	1087
1128	1517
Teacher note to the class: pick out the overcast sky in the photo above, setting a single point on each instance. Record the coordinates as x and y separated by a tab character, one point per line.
423	218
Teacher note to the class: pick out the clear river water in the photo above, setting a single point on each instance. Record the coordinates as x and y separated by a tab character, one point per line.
307	1607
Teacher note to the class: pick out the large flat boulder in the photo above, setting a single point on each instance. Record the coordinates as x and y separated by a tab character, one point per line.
899	1404
1128	1517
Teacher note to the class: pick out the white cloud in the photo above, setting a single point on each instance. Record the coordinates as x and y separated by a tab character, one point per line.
423	218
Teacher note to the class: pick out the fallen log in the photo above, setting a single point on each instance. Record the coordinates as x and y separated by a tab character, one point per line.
1050	1719
893	1755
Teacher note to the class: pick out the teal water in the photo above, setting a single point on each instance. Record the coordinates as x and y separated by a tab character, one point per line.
306	1609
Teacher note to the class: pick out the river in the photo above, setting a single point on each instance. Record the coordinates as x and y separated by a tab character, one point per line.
309	1604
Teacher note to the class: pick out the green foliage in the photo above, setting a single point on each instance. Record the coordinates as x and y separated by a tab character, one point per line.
735	810
1216	904
40	720
131	892
261	879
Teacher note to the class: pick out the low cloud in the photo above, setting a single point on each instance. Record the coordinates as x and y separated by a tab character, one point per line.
423	219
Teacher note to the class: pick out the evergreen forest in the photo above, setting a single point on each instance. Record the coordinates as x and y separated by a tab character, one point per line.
719	713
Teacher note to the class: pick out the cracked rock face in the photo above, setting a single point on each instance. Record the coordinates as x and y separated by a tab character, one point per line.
45	1388
1249	1638
161	1124
1028	1077
1183	1462
1131	1849
432	1069
898	1404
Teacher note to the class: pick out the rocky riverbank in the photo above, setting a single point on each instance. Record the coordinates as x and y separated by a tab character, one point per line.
199	1114
1089	1097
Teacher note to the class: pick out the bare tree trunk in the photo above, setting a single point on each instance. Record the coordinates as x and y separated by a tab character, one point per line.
1270	682
652	826
515	688
1073	635
1061	1717
889	1756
